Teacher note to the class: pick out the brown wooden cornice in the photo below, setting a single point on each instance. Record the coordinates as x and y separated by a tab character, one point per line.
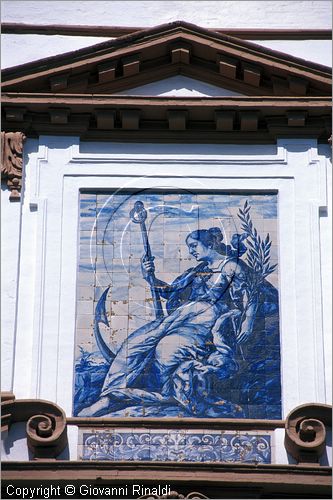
76	93
235	479
154	53
116	31
167	119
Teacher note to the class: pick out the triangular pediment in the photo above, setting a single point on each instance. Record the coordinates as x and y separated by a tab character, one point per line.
226	90
158	53
179	86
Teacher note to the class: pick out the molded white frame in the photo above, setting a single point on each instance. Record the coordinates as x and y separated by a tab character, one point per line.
57	168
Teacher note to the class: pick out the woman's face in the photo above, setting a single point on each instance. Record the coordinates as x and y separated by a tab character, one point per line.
198	249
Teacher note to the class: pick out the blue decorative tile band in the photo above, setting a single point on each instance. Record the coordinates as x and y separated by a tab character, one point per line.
178	446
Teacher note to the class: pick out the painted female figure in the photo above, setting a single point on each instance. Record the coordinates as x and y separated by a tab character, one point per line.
177	365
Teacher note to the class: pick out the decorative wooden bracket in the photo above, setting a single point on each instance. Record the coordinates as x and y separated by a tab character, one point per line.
130	119
305	431
177	119
180	53
227	66
224	120
12	162
131	65
46	424
105	118
107	71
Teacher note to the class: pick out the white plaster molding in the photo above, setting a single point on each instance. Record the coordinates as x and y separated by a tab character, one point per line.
41	159
317	312
325	223
120	154
39	297
23	367
322	184
67	304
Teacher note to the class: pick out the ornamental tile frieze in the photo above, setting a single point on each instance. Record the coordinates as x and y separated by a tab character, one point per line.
175	446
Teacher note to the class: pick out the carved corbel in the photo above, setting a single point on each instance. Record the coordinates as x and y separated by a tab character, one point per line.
46	424
180	53
224	120
131	65
12	162
305	431
177	119
227	66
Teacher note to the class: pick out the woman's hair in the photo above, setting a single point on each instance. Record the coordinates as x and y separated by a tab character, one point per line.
213	238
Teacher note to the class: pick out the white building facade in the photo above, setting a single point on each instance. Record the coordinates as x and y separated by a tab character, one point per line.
197	125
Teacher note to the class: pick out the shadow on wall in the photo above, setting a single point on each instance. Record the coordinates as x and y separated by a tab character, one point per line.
15	443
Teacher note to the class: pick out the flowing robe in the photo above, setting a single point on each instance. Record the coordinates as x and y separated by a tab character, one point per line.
179	353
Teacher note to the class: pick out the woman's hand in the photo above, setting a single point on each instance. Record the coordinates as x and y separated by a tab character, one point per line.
148	270
234	315
147	266
203	369
250	310
243	336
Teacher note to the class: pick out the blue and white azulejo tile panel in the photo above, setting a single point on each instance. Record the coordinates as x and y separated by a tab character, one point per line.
178	305
176	446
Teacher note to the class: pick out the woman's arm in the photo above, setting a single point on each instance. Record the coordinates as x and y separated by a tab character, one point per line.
179	284
245	300
148	268
250	306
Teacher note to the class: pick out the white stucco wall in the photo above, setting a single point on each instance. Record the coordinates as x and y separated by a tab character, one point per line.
10	251
318	51
211	14
19	49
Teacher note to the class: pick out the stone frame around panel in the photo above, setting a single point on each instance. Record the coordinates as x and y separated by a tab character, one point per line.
259	188
300	170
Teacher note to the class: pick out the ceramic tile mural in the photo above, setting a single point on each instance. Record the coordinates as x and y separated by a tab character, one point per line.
166	445
177	305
